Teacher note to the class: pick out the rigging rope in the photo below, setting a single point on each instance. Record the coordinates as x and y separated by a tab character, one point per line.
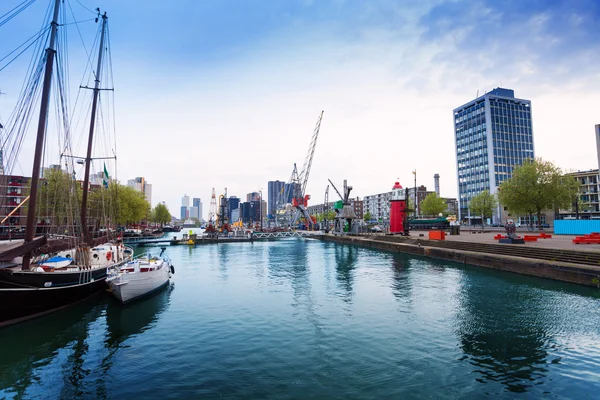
15	11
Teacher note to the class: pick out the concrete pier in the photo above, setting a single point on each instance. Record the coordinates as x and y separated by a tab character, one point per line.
574	266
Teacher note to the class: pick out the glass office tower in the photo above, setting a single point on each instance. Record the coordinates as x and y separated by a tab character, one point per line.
492	134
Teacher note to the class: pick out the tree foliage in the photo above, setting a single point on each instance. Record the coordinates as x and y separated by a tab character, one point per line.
483	204
535	186
432	204
132	206
58	198
160	214
367	216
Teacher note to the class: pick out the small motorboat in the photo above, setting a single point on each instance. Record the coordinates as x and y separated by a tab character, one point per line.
140	277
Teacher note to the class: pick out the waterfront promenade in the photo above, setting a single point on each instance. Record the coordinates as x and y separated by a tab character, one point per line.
558	242
556	258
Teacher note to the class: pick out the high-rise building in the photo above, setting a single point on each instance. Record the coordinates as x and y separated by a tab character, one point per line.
141	185
183	213
254	196
245	212
197	203
274	196
233	204
288	192
185	200
493	134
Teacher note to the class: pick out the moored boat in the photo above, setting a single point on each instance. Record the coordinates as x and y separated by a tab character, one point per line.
44	273
139	277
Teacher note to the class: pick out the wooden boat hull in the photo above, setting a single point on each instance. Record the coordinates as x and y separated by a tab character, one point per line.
25	295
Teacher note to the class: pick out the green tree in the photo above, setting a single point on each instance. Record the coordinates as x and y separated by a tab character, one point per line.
59	199
132	206
367	216
160	214
484	205
535	186
432	204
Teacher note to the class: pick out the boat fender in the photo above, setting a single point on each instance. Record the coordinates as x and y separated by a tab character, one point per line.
108	256
172	269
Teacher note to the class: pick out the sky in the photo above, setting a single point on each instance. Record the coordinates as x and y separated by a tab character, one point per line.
220	93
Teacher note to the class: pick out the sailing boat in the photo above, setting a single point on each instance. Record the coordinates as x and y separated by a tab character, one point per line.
44	274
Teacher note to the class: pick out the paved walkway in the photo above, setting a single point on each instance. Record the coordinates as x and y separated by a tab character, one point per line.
561	242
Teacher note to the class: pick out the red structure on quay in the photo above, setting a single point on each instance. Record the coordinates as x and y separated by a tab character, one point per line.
398	210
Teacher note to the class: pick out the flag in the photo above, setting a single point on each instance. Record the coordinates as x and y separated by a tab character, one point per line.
105	180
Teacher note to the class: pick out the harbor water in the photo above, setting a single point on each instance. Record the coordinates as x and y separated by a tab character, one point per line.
302	319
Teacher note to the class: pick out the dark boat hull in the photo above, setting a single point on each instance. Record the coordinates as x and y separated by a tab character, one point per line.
25	295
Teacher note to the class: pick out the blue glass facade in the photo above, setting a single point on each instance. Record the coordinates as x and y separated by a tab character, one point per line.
493	134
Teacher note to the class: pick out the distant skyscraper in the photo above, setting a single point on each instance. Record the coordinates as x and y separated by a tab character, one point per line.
141	185
254	196
183	213
197	204
493	134
185	200
234	204
275	195
288	190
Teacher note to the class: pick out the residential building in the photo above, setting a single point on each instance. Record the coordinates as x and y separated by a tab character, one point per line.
493	134
421	193
378	205
358	207
196	202
141	185
316	209
12	192
274	196
588	203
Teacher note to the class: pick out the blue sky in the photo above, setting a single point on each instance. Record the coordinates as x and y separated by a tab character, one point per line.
227	92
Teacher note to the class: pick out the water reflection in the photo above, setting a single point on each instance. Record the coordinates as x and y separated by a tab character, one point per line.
126	320
223	259
346	258
44	341
502	335
401	285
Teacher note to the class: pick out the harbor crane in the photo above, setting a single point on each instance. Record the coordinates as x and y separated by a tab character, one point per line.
299	180
343	210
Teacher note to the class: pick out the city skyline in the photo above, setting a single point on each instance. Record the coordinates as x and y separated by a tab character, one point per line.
386	76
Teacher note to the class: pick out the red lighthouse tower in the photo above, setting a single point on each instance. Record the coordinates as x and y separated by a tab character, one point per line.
398	216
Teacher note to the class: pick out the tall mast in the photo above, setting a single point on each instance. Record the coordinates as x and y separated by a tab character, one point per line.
88	158
41	134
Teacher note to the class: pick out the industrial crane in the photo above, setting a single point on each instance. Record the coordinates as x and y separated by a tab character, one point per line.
343	209
298	181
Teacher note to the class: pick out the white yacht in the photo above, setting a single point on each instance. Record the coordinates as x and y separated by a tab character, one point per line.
140	277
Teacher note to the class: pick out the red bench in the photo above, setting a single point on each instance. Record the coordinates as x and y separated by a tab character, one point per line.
530	238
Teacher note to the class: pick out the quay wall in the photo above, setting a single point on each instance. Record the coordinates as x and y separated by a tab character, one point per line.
561	271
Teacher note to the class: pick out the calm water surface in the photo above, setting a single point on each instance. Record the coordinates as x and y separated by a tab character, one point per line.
306	319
